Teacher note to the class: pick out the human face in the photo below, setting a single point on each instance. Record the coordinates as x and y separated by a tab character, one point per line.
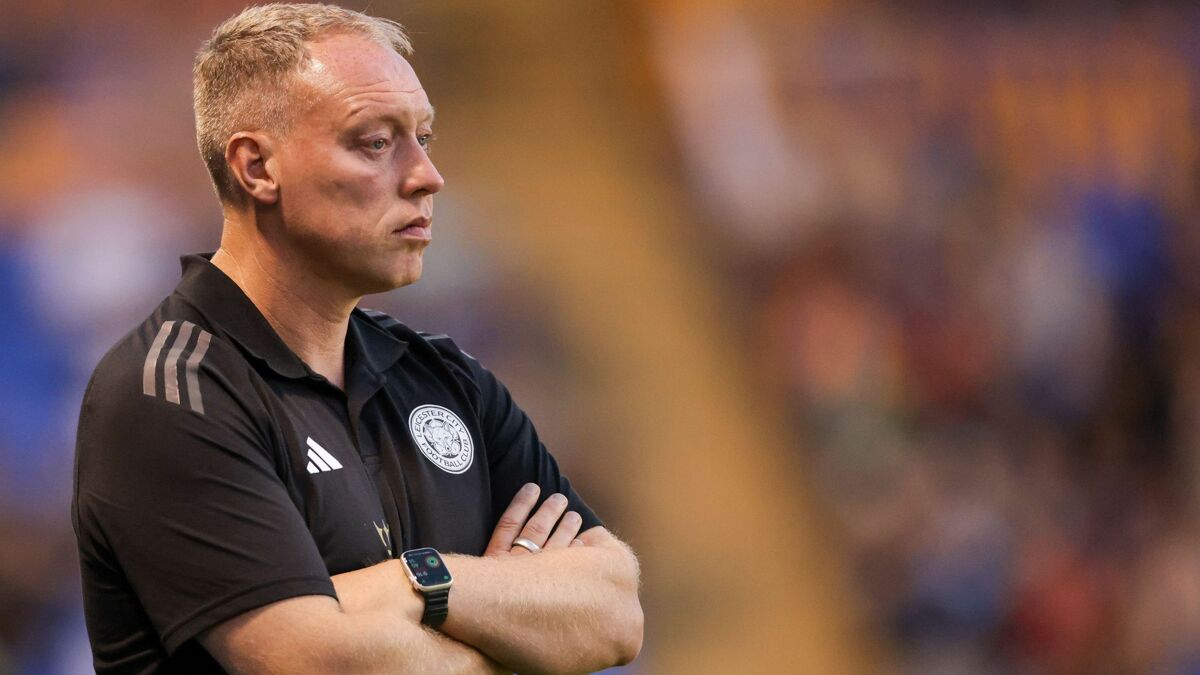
356	183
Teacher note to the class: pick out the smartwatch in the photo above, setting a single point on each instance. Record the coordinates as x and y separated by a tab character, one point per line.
430	577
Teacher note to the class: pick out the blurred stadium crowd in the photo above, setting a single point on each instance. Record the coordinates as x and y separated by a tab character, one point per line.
967	250
963	244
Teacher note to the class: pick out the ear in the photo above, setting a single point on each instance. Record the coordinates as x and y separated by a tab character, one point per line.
247	154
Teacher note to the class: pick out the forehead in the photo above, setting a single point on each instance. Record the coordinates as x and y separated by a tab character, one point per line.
352	73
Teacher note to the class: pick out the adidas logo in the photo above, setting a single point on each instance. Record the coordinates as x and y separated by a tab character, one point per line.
319	459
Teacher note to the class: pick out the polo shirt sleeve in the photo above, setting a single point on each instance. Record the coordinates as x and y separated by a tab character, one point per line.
187	508
515	453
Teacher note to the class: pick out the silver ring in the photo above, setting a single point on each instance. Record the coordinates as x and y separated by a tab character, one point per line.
527	545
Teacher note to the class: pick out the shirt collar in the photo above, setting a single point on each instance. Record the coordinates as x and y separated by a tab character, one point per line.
235	316
372	345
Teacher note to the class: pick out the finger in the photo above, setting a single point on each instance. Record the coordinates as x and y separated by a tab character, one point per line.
538	528
565	533
513	519
518	549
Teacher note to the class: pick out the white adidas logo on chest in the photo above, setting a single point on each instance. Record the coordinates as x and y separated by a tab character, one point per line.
319	459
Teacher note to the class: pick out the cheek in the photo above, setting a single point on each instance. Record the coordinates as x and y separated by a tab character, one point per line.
323	178
348	185
335	201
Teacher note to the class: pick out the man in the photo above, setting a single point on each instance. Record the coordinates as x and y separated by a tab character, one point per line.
255	459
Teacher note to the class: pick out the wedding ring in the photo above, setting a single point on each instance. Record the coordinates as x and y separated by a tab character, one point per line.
527	545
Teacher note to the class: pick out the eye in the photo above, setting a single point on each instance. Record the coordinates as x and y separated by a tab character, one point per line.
379	144
425	140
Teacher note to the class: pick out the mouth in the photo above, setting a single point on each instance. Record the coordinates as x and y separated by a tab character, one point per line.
419	228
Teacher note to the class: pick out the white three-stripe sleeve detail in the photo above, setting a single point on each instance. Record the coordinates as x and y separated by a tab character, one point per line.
193	362
329	459
315	458
151	364
312	468
171	364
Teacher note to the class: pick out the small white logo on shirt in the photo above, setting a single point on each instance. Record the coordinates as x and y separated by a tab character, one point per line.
442	438
319	459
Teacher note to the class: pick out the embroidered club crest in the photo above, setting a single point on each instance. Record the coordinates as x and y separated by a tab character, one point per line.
442	438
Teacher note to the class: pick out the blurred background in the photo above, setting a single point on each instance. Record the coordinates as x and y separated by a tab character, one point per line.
874	327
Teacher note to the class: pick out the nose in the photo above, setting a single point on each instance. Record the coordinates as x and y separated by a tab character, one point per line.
421	177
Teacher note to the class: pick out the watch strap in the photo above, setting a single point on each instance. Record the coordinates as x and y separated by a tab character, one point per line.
437	606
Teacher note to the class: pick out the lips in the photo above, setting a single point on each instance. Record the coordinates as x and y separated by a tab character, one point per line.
418	228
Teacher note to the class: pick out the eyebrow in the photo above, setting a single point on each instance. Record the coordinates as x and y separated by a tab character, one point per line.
368	113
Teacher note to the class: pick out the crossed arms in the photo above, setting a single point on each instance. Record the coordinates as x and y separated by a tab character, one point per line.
573	607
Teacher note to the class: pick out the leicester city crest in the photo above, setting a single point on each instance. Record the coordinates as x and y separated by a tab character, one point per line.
442	438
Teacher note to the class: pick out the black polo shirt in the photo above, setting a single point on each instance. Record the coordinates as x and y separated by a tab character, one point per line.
216	472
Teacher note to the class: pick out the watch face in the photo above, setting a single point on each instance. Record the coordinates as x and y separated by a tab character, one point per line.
427	567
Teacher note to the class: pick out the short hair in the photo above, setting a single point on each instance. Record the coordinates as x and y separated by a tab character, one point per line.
244	75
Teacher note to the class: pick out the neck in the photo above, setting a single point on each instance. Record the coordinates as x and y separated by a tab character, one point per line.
309	314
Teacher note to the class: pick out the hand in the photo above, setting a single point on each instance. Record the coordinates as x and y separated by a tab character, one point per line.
540	529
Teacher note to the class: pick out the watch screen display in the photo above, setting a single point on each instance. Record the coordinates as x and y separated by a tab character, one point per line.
426	565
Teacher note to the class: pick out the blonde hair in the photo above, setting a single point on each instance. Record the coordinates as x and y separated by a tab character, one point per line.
244	75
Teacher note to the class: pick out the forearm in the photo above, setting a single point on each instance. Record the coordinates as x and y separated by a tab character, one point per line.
313	634
385	632
371	646
567	610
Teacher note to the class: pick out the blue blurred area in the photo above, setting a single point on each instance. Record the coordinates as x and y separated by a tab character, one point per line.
37	374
